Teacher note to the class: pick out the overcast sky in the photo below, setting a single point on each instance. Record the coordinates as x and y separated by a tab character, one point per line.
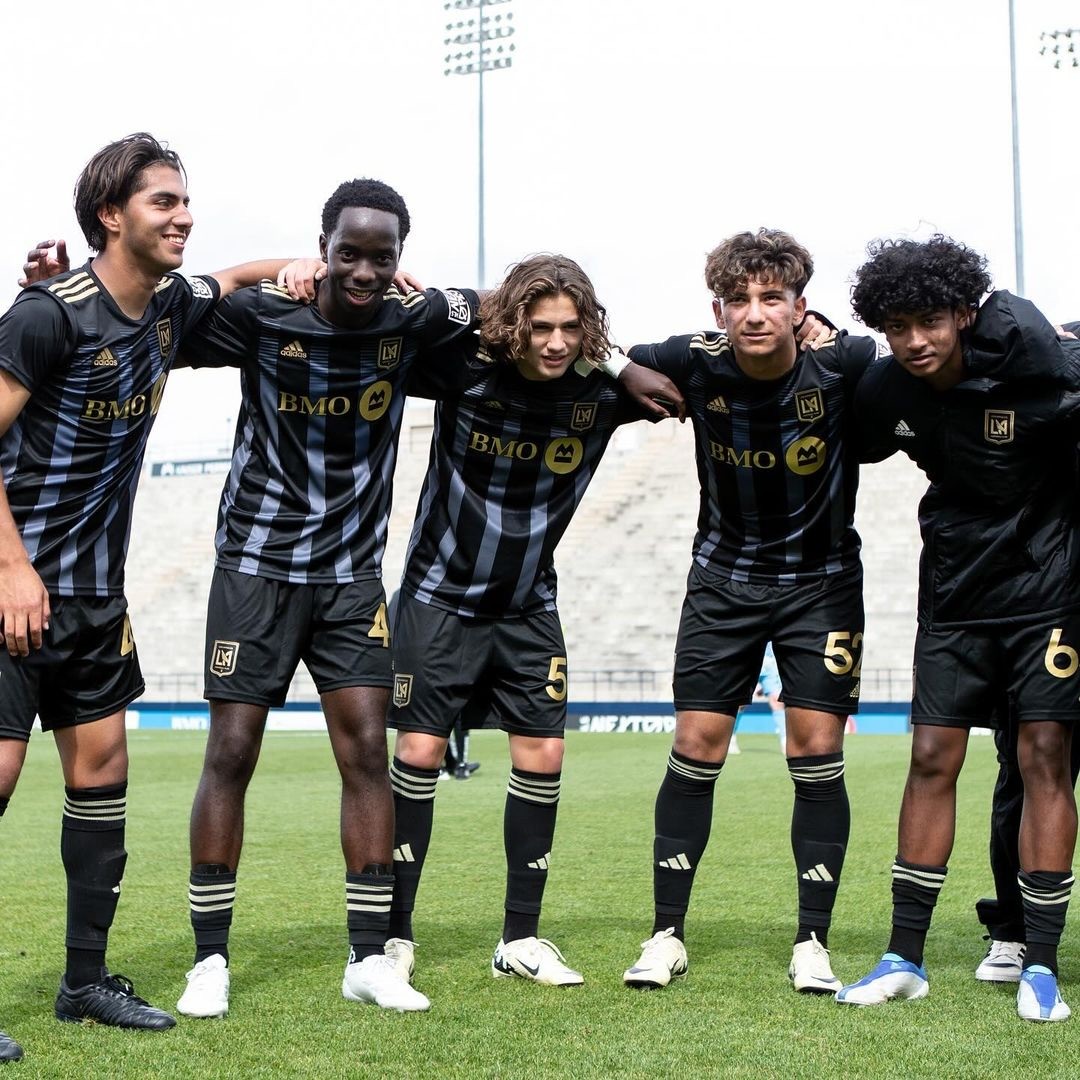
632	136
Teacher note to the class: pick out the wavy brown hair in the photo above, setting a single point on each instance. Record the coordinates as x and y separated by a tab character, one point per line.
113	175
767	255
505	312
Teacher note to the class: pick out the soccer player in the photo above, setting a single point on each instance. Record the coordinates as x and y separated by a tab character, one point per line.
999	583
302	528
520	426
83	362
776	558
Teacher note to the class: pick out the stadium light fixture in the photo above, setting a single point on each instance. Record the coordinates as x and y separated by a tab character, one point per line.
481	44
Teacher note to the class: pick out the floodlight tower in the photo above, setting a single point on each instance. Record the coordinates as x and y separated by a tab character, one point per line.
477	54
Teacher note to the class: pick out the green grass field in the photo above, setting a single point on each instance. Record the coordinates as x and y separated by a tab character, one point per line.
734	1015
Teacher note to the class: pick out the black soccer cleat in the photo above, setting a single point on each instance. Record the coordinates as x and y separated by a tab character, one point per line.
10	1050
111	1001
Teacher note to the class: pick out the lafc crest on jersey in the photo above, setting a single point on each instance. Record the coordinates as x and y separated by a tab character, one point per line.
999	425
583	416
164	337
223	657
809	405
389	354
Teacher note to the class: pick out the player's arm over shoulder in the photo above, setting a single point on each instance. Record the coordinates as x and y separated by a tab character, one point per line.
675	357
224	337
1012	339
871	421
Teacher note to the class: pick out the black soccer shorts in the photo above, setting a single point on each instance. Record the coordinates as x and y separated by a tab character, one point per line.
816	629
444	663
86	669
960	675
258	630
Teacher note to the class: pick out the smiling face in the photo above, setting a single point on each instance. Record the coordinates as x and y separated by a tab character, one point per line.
153	225
760	319
362	258
555	338
927	345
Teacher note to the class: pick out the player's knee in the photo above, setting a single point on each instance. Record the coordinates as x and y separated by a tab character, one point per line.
933	763
701	743
231	756
420	751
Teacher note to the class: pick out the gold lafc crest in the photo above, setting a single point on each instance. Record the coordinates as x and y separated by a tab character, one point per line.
583	416
809	405
164	337
223	658
999	425
389	353
402	690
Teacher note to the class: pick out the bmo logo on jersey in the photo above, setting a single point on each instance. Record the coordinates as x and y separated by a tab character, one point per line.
805	456
561	456
371	405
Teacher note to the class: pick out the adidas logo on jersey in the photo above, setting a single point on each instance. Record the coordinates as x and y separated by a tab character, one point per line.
543	863
491	403
676	862
294	350
105	358
903	430
817	873
718	404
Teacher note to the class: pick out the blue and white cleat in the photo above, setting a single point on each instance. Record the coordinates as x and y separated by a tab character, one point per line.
893	978
1038	997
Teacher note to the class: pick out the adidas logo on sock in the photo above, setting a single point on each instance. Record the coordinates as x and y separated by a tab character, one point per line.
718	404
903	430
404	854
676	862
294	350
817	873
543	863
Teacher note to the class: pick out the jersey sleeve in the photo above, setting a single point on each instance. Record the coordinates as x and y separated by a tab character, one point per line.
224	338
451	314
437	372
874	437
671	358
1012	339
203	293
34	338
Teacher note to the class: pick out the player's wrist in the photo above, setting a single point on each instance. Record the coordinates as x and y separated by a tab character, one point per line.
615	364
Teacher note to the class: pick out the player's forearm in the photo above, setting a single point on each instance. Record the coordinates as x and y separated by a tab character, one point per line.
249	273
13	551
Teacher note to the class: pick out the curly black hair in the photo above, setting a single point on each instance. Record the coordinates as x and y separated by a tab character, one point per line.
908	277
371	194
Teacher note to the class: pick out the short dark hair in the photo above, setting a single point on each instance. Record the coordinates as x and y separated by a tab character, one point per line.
505	323
762	256
372	194
113	175
907	277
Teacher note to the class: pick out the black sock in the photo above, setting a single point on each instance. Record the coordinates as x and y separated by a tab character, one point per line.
1045	895
915	891
820	823
211	896
367	910
683	821
92	850
532	804
414	812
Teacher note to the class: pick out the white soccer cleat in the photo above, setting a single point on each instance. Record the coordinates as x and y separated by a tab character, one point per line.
403	953
810	971
1003	962
207	993
1038	998
376	980
894	978
535	959
663	958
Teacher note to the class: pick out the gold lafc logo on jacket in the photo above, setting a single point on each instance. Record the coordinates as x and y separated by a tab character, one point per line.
999	425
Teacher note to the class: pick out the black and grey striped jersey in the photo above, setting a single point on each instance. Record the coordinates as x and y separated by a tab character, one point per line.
510	461
72	458
308	495
776	460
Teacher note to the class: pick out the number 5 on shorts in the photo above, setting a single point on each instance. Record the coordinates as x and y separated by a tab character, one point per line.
557	678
